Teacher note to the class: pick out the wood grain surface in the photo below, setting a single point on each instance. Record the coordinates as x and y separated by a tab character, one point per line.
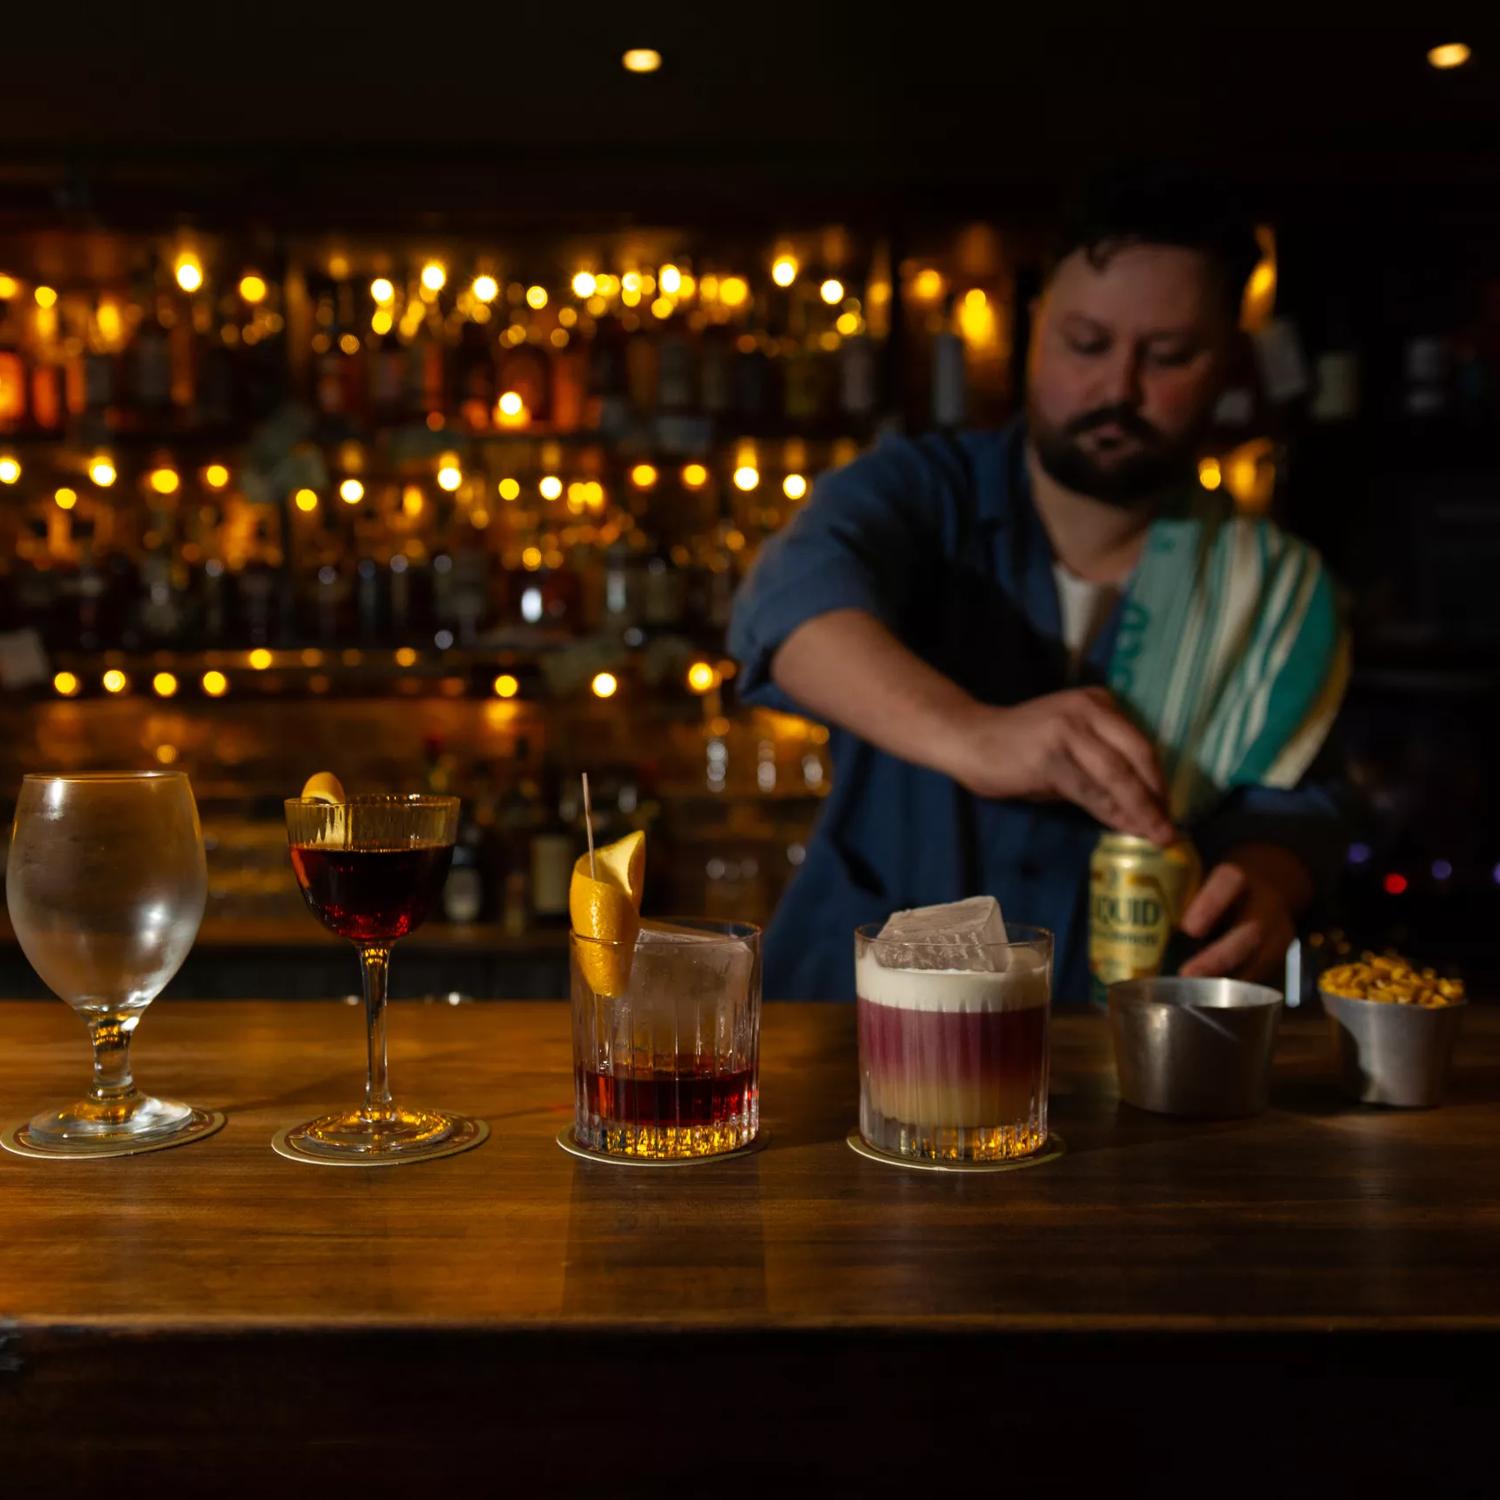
1319	1238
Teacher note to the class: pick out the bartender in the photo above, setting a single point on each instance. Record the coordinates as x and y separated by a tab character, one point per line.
1022	637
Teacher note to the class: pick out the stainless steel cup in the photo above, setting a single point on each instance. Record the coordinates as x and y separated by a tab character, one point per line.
1194	1046
1393	1054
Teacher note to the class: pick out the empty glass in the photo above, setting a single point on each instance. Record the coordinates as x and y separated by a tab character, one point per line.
106	883
371	869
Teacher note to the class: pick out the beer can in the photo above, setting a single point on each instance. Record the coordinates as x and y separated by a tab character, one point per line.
1138	892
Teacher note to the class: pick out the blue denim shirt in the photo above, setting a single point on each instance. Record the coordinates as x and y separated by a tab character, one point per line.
937	538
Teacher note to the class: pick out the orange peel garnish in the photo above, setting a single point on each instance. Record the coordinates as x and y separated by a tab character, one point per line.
606	904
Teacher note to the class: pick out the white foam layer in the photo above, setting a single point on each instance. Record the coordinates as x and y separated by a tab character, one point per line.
1022	985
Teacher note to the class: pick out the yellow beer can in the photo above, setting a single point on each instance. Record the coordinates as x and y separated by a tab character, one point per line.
1138	892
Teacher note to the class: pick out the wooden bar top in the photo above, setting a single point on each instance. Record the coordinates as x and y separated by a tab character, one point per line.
1317	1214
499	1307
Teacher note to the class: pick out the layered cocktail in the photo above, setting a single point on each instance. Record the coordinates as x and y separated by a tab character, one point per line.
953	1035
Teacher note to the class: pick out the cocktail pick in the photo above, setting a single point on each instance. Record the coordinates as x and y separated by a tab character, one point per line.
588	825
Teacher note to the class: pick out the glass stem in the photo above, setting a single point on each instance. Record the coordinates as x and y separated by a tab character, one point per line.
375	966
110	1037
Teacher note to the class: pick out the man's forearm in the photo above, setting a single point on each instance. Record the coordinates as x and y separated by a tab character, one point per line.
847	668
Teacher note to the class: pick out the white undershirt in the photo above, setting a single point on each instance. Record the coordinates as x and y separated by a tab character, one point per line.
1084	607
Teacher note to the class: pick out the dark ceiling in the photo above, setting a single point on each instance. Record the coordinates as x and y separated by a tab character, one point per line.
522	113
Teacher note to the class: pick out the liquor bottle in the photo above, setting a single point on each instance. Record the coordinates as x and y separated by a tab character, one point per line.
524	369
950	396
13	376
609	396
552	853
48	408
570	387
752	376
716	373
426	386
101	376
387	370
518	819
474	376
148	360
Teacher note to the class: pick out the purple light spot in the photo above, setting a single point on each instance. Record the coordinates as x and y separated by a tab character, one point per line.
1495	874
1441	869
1359	854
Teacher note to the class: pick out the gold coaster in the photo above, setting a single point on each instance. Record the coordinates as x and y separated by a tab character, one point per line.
1052	1148
570	1144
17	1140
475	1133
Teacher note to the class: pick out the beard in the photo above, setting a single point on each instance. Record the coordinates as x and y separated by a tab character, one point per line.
1130	481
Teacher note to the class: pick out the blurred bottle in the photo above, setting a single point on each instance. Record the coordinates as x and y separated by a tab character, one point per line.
552	846
13	379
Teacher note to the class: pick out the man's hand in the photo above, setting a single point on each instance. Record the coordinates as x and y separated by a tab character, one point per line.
1249	901
1075	747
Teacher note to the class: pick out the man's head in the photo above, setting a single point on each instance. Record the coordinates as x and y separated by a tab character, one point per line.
1135	333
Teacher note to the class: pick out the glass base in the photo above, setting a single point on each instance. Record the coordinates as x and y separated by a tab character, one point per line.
396	1134
133	1120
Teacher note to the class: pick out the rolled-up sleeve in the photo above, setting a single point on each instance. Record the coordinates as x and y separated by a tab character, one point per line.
866	540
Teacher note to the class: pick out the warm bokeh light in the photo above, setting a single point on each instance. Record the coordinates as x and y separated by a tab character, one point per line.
662	307
832	291
382	321
253	288
670	280
694	476
551	487
383	292
115	681
794	486
215	684
631	282
584	284
1449	55
10	469
506	686
510	404
643	476
641	60
746	477
9	286
784	270
1210	475
66	685
189	272
260	659
847	324
604	685
165	481
45	296
509	489
66	498
166	755
305	500
351	492
164	684
412	501
102	472
531	558
485	288
434	276
701	677
928	286
734	291
449	476
406	656
216	476
536	297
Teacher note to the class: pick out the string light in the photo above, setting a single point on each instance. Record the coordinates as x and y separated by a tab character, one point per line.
216	476
66	685
165	481
604	685
449	476
215	684
189	272
66	498
305	500
584	285
115	681
551	487
382	291
536	297
434	276
260	659
832	291
164	684
10	469
746	477
351	492
506	686
510	404
486	288
641	60
670	280
694	476
794	486
102	472
253	288
643	476
784	270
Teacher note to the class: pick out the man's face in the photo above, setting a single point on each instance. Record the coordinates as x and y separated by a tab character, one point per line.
1127	360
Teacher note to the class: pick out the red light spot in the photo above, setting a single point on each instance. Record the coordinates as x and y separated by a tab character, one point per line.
1395	884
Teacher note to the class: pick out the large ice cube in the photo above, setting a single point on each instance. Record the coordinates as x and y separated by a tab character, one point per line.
955	935
690	964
